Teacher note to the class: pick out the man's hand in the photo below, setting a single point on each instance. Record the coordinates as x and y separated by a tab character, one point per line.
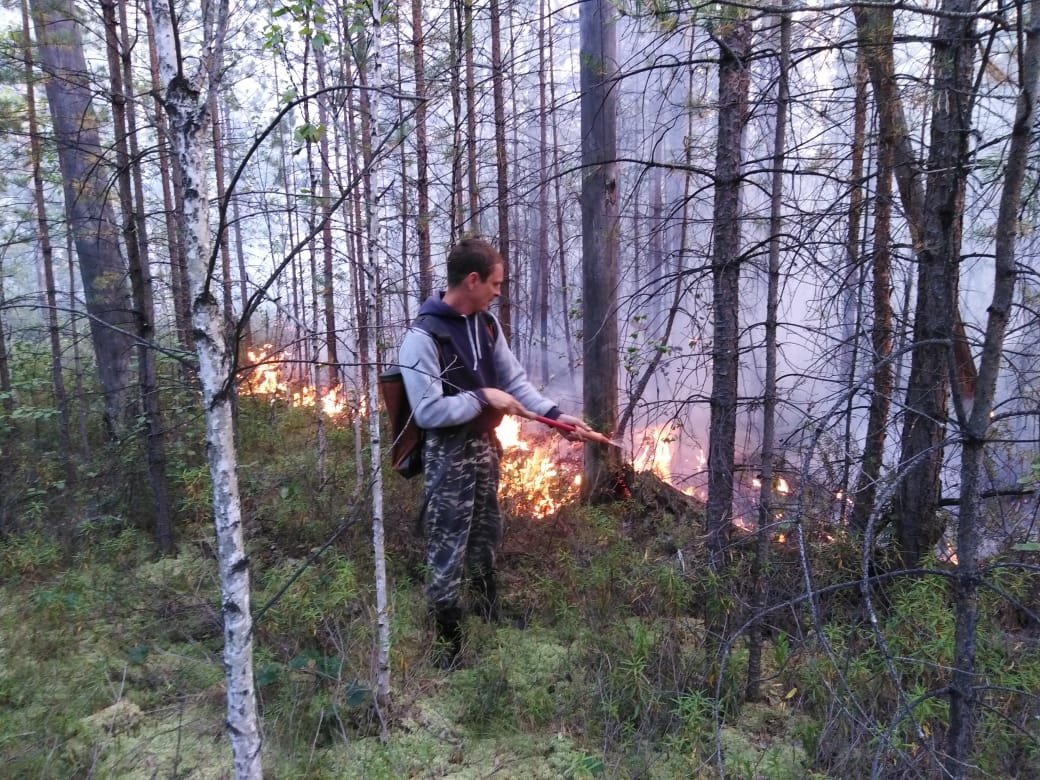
504	402
579	424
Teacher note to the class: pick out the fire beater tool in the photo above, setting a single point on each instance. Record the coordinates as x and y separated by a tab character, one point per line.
582	433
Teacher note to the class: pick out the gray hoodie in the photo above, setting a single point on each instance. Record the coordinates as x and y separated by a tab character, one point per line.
474	357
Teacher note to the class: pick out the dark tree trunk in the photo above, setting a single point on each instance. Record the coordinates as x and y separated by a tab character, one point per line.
938	256
47	260
963	692
599	240
141	286
875	41
766	518
91	216
735	46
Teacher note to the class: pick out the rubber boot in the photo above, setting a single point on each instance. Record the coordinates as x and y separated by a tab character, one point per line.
448	643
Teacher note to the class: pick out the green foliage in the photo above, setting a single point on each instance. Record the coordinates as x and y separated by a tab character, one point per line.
30	556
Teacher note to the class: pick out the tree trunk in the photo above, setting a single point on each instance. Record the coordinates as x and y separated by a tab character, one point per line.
186	106
540	266
918	525
599	210
422	182
558	195
505	303
140	284
172	200
472	221
963	693
61	398
888	116
371	120
735	46
86	184
766	517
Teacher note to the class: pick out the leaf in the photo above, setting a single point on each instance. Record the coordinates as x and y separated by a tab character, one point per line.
790	694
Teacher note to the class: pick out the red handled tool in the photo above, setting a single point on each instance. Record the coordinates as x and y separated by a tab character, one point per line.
581	432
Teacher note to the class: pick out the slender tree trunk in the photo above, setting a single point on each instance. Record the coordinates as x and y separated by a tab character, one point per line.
760	564
561	241
422	182
505	304
172	201
6	389
853	279
881	330
328	277
963	685
734	49
186	101
540	268
245	328
472	222
47	260
86	183
458	213
372	69
141	287
599	211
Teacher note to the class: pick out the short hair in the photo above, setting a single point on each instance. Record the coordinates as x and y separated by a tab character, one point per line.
469	255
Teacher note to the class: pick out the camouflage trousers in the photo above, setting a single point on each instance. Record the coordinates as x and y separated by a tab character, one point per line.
463	521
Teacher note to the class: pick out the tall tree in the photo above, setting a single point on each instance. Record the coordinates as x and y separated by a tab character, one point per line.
86	182
371	67
135	241
422	175
874	31
46	259
964	681
938	265
766	516
505	304
599	227
186	99
734	37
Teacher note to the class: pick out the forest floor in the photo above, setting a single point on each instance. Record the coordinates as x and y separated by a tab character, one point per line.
602	666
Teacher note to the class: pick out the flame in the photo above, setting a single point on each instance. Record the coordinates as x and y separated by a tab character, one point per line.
265	378
655	452
534	477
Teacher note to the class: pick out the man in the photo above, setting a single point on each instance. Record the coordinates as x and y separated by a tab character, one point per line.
461	379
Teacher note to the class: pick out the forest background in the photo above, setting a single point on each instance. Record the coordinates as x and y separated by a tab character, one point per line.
784	255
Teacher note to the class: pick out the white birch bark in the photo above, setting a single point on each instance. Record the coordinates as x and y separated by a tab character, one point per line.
186	102
382	656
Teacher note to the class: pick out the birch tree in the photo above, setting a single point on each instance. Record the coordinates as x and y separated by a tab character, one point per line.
185	96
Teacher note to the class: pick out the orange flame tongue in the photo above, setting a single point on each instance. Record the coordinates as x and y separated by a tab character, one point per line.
535	480
265	378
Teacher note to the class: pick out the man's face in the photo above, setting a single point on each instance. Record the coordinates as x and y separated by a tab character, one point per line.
485	291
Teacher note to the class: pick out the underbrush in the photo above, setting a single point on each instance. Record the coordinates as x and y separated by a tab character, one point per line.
604	664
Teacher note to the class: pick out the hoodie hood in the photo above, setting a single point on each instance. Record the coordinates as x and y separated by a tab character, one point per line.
469	334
